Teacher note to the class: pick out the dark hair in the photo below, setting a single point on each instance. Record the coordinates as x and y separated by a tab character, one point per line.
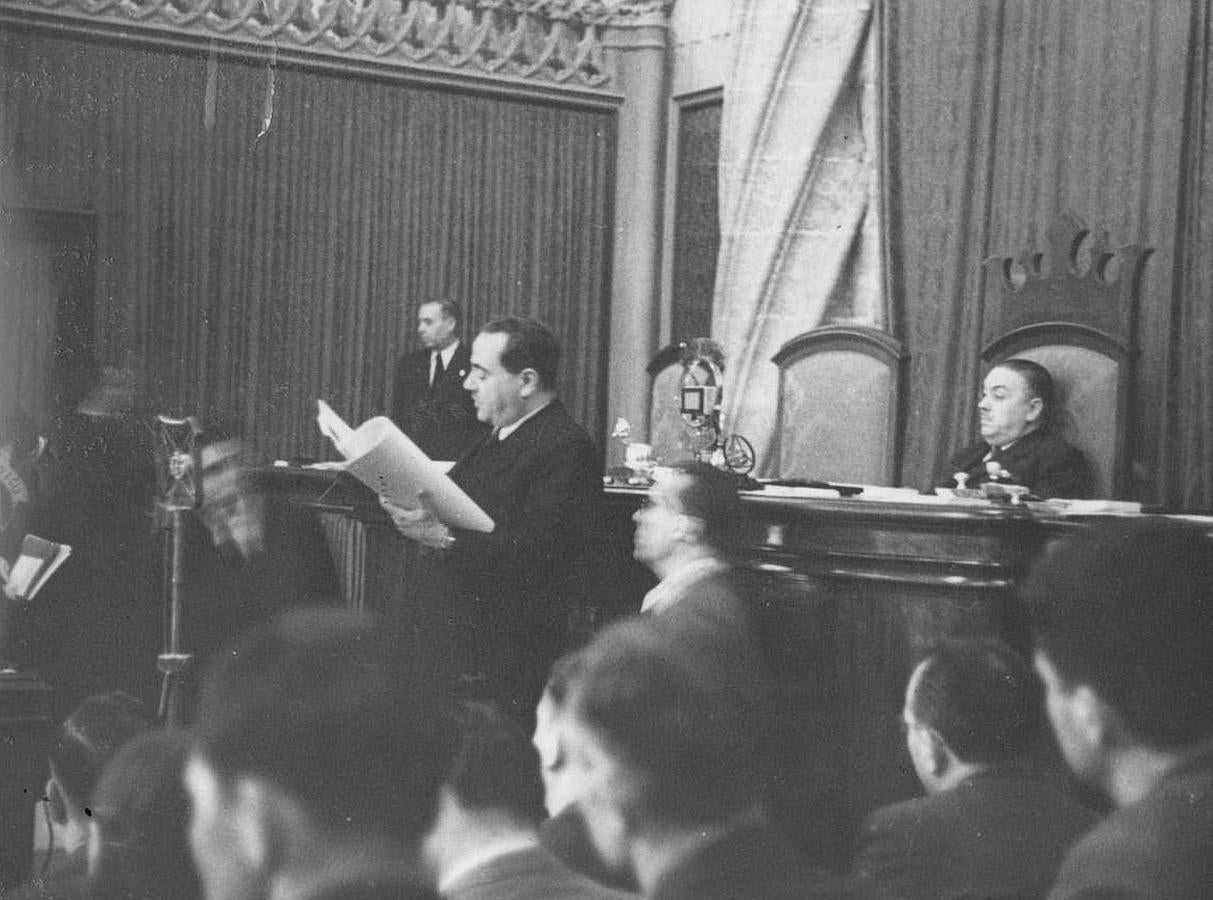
982	698
710	495
90	736
449	309
142	811
1126	607
676	728
495	766
330	708
529	345
1040	384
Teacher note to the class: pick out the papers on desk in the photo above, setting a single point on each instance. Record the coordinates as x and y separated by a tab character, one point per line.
383	458
39	560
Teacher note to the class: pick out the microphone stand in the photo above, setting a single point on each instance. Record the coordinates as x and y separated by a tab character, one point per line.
179	440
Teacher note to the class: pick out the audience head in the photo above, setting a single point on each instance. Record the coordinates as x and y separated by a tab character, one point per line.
692	508
553	759
971	703
83	745
1017	397
318	736
1124	643
492	789
139	843
514	363
438	324
657	745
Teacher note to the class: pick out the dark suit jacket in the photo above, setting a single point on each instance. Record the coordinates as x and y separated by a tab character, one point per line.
709	617
999	834
531	874
499	605
441	420
542	486
1160	848
1043	462
755	863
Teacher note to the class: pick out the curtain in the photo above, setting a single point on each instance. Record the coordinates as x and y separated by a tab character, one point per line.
250	263
998	116
797	178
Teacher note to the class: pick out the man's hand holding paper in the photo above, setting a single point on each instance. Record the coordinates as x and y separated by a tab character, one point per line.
419	524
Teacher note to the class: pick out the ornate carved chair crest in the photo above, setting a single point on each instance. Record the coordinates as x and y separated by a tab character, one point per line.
1072	307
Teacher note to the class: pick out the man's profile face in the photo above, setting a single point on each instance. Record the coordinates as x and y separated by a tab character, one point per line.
1062	702
435	329
1007	408
594	782
215	838
496	393
660	522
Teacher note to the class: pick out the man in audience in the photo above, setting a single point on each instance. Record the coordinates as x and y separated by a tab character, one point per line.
502	601
428	401
661	767
989	826
1125	649
80	749
320	748
684	532
484	845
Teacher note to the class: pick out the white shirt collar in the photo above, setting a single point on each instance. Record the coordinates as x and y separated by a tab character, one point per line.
447	353
670	589
484	855
506	430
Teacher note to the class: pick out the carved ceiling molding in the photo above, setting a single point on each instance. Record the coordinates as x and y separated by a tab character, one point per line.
557	42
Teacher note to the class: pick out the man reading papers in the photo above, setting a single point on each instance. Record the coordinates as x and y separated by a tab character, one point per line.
499	602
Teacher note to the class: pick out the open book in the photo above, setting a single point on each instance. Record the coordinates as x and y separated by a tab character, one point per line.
383	458
37	563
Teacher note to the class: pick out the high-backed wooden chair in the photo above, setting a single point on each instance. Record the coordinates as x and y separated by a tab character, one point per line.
665	416
1072	307
839	405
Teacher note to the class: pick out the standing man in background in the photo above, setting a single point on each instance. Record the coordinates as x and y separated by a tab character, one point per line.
428	400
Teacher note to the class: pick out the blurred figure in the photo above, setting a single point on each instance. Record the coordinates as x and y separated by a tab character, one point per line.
96	624
989	826
1124	615
661	767
139	842
249	556
80	749
320	749
484	845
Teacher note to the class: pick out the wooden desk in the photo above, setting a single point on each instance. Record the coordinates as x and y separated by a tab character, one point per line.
848	593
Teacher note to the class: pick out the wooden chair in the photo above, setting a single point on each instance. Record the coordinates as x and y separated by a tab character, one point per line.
665	417
839	405
1073	308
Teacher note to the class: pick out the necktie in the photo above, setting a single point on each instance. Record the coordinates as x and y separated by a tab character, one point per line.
439	368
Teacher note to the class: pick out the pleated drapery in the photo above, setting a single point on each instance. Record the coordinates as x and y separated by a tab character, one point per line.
264	236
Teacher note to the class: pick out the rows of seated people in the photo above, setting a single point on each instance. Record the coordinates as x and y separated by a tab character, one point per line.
327	761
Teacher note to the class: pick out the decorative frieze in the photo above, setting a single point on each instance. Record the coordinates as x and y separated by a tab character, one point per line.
555	41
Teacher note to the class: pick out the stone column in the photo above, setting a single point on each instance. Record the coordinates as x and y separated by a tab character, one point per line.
637	38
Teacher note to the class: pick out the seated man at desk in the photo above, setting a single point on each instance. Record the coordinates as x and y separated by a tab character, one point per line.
1019	440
